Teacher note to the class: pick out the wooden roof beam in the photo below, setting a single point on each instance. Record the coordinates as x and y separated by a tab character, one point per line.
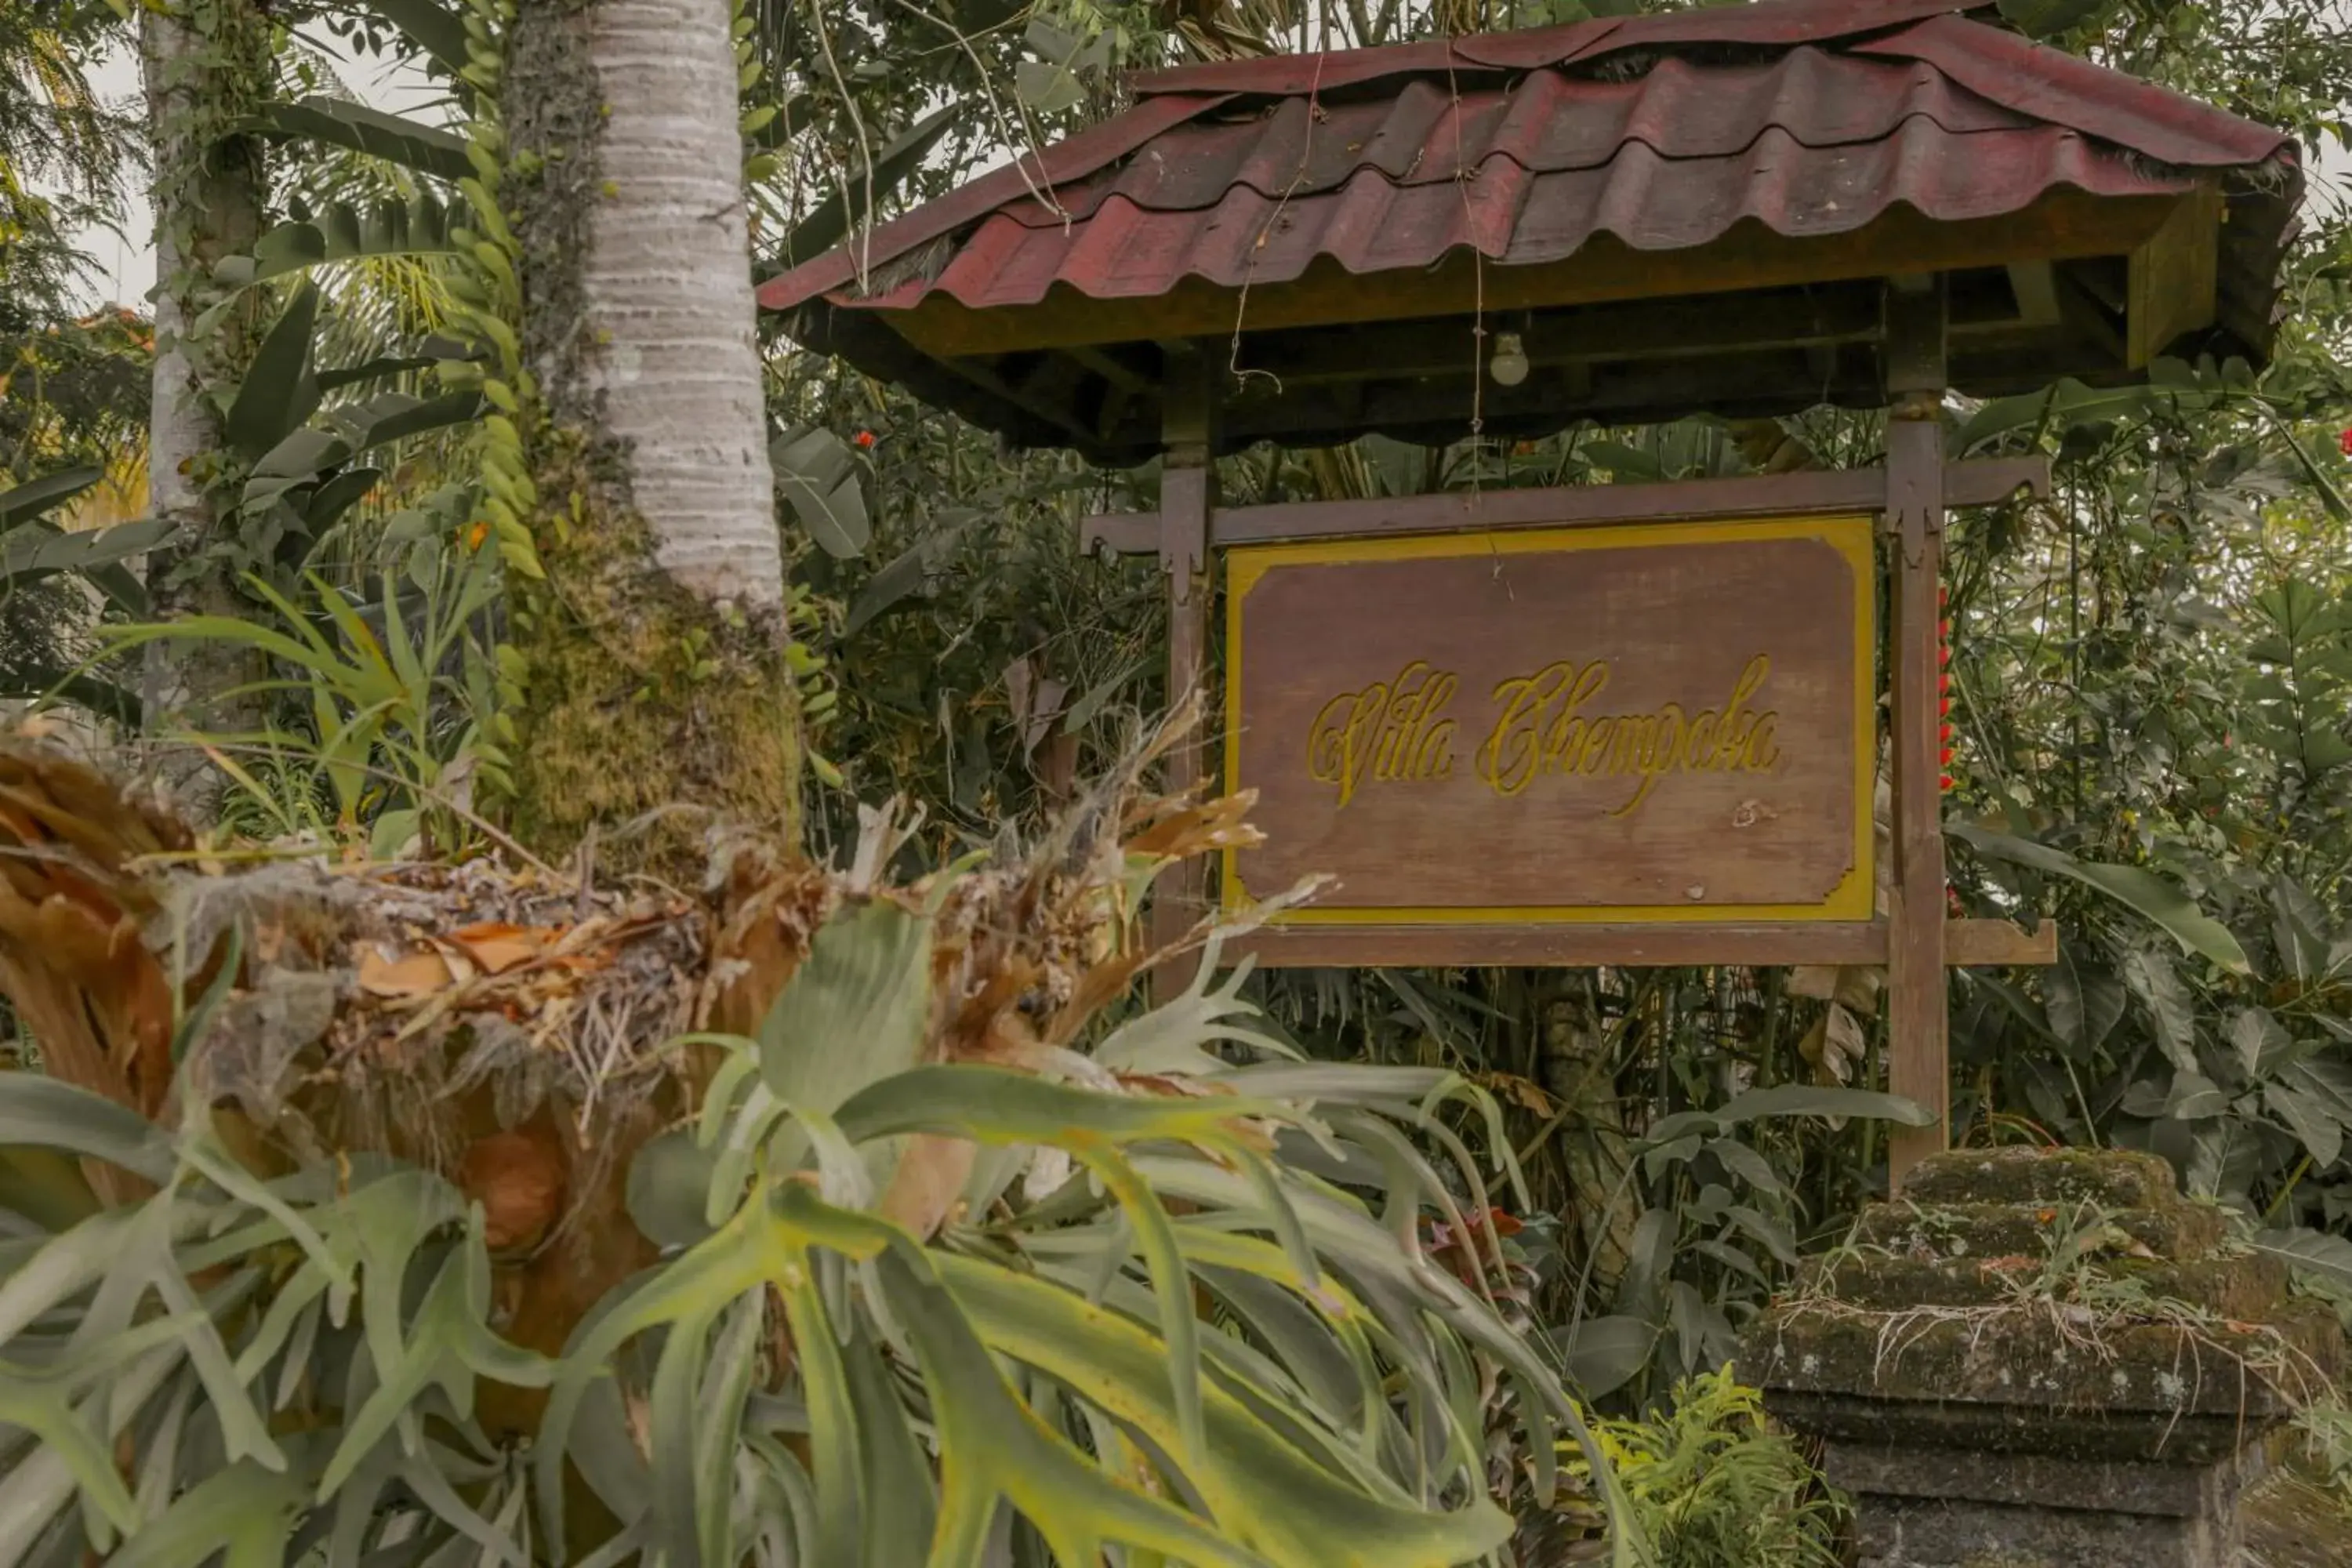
1622	392
2175	277
1831	314
1124	382
2035	284
2066	223
1029	394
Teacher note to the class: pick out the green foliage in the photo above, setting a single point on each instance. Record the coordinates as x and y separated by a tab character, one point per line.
834	217
819	478
355	126
1716	1486
343	232
390	703
1147	1324
39	615
66	157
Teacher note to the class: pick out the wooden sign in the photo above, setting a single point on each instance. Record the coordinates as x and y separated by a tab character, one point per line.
1659	722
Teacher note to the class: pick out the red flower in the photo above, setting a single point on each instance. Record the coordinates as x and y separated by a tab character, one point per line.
2345	442
865	439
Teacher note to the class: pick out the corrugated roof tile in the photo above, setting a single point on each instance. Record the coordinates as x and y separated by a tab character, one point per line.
1810	141
1807	117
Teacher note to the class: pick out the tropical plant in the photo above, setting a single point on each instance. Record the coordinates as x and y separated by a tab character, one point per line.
208	65
51	585
1716	1485
395	727
65	156
1147	1283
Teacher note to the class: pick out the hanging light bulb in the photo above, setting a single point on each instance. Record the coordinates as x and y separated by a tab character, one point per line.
1508	365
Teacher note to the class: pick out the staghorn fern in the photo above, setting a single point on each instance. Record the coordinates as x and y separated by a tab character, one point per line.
947	1275
253	1367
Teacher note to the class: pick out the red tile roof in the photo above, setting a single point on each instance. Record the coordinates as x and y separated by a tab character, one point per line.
1809	118
1808	143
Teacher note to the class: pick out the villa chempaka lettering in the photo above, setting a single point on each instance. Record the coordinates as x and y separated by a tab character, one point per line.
1388	732
1554	722
1652	722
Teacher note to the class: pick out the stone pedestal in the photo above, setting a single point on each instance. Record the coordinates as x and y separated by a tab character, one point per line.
2042	1359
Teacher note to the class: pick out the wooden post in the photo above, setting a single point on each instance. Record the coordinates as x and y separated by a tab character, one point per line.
1188	482
1915	1016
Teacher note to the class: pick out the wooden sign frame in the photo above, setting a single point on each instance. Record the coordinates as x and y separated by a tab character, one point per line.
1848	537
1914	940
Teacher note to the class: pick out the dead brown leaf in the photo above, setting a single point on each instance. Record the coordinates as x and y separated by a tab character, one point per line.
496	946
1198	829
1522	1093
930	1175
411	975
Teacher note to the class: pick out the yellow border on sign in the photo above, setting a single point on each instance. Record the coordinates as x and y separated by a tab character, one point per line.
1854	898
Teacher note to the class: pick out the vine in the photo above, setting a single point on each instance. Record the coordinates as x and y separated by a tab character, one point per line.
488	292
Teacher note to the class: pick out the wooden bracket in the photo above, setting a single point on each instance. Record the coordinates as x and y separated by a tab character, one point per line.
1915	479
1185	530
1916	331
1186	475
1982	481
1974	944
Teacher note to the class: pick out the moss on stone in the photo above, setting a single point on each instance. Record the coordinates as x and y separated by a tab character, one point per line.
2024	1357
2239	1286
2180	1230
2112	1178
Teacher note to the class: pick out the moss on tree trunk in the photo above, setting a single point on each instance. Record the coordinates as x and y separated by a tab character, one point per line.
657	697
645	707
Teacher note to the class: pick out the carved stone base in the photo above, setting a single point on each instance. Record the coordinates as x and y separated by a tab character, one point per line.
1941	1508
2043	1360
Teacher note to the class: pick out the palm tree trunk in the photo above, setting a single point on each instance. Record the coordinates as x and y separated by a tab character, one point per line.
206	63
655	676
